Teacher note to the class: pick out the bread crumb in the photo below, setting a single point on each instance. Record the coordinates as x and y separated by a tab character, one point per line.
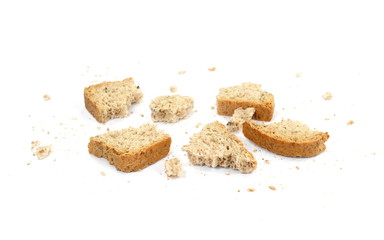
182	72
255	150
186	132
267	162
212	69
350	122
98	128
29	163
299	74
272	188
227	173
35	144
46	97
327	96
103	173
297	167
42	152
213	107
198	125
173	167
326	119
251	189
141	115
108	130
238	190
173	88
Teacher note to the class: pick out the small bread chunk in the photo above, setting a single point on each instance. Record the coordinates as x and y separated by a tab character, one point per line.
42	152
109	100
131	149
246	95
238	118
171	108
288	138
214	146
173	167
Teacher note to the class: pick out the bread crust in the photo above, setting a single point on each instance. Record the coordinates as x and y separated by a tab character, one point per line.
285	148
92	107
263	112
131	161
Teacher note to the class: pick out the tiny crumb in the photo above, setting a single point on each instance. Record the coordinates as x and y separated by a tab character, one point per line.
182	72
173	89
212	69
327	96
251	189
297	167
35	144
272	188
341	168
107	129
238	190
29	163
198	125
98	128
42	152
195	110
267	162
103	173
227	173
299	74
350	122
326	119
186	132
46	97
173	167
141	115
213	107
255	150
373	153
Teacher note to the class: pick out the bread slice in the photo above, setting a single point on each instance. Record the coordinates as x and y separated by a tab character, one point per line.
238	118
288	138
214	146
171	108
110	100
131	149
173	167
246	95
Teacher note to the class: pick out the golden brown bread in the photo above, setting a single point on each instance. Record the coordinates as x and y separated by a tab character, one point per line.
288	138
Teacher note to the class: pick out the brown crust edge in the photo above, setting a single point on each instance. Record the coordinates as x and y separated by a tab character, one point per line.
284	148
131	162
92	107
262	113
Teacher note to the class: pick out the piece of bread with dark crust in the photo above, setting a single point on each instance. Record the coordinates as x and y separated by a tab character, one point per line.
288	138
109	100
131	149
245	96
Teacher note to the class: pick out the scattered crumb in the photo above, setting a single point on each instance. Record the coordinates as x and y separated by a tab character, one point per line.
195	110
297	167
182	72
326	119
198	125
227	173
267	162
251	189
29	163
35	144
98	127
141	115
173	167
42	152
46	97
350	122
173	88
238	190
103	173
272	188
186	132
373	153
212	69
213	107
107	129
299	74
327	96
255	150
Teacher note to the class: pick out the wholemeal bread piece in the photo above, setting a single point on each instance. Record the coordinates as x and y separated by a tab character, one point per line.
170	108
246	95
110	100
214	146
239	117
131	149
288	138
173	167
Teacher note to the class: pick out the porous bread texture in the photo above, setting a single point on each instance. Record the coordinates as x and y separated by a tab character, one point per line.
131	149
171	108
214	146
288	138
246	95
239	117
109	100
173	167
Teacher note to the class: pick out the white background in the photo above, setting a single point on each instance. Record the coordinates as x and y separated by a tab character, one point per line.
58	48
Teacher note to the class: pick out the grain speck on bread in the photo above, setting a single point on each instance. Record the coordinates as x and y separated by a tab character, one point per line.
170	108
244	96
214	146
131	149
109	100
288	138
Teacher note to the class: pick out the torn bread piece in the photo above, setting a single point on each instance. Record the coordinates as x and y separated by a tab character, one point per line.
173	167
239	117
171	108
244	96
131	149
214	146
109	100
288	138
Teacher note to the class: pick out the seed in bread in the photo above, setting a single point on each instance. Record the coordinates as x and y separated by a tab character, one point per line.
109	100
288	138
239	117
173	167
214	146
244	96
131	149
171	108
